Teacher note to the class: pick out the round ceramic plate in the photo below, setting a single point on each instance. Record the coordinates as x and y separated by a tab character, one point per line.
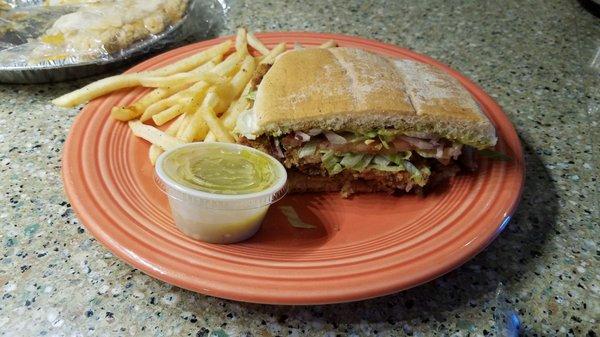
367	246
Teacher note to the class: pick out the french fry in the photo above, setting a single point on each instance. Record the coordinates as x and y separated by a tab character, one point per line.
216	60
256	44
122	113
228	92
222	69
195	130
224	91
228	66
196	99
154	152
117	82
193	61
197	127
154	96
96	89
184	98
168	81
216	126
243	76
230	116
270	57
328	44
185	121
156	108
154	135
178	79
137	109
210	137
174	127
191	91
159	107
166	115
160	93
241	42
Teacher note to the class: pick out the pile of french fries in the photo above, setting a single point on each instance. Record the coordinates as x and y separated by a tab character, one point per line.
201	96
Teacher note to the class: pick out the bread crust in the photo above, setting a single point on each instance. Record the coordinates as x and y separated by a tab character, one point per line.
351	89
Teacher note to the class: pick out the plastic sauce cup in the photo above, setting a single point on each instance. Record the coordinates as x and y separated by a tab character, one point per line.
219	217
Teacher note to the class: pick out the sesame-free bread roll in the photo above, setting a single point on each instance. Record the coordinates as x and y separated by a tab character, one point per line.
352	89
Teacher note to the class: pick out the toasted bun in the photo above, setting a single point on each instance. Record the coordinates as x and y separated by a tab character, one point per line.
351	89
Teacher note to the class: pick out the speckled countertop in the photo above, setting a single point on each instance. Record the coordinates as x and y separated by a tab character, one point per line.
532	56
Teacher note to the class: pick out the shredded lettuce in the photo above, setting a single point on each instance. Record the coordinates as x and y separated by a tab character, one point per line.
425	173
370	134
251	95
399	158
384	135
331	162
387	168
363	163
355	138
405	155
381	160
426	153
387	134
307	149
337	168
335	164
360	162
415	173
418	176
383	142
294	218
328	155
351	159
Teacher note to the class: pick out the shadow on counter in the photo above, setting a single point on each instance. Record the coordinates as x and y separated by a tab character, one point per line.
507	260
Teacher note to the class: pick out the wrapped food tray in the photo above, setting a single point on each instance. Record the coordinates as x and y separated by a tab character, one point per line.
197	22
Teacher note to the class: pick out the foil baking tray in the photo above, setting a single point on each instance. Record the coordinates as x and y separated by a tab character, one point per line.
198	22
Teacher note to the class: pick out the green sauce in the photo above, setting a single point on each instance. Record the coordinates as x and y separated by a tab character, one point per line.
221	171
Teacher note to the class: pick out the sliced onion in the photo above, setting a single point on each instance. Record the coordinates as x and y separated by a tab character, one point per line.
439	153
314	132
278	148
299	135
418	143
334	138
307	149
455	151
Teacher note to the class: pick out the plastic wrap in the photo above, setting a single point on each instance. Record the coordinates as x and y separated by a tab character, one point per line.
51	40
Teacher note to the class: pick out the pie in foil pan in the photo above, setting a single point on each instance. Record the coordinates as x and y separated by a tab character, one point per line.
57	40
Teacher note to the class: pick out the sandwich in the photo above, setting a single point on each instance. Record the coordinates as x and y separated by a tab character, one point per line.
344	119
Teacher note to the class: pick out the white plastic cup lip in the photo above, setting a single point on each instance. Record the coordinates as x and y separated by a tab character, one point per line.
257	199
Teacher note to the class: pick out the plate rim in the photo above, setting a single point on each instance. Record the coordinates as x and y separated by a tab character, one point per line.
86	219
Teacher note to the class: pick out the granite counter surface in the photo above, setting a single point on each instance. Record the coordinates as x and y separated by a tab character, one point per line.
532	56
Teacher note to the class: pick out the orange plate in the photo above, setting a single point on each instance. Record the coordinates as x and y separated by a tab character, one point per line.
368	246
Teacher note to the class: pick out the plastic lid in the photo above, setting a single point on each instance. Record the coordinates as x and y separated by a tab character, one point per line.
203	199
